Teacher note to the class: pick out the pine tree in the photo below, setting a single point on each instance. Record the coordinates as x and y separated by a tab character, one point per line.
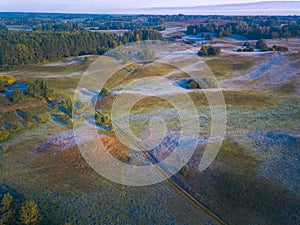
30	214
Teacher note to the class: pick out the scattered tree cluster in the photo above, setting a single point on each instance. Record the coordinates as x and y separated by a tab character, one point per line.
39	89
141	35
256	28
102	119
262	45
247	48
11	214
68	105
192	84
16	96
207	50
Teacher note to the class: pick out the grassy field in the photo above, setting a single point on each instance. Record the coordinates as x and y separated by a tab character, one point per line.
252	181
227	67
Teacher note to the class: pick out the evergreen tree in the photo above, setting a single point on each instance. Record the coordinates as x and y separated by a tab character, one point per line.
7	213
16	95
262	45
30	214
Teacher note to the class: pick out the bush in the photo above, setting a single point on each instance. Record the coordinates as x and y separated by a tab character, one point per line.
280	48
247	44
104	92
209	37
41	119
185	171
245	50
27	116
262	45
192	84
207	50
7	213
102	119
63	117
70	124
30	214
7	80
68	105
4	134
4	149
56	108
39	89
16	95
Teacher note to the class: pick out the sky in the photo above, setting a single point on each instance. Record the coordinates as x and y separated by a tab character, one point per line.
102	6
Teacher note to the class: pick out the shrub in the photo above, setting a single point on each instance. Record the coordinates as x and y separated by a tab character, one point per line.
192	84
68	105
63	117
262	45
3	135
16	95
4	149
27	116
41	119
104	92
30	214
70	124
56	108
7	213
280	48
39	89
185	171
7	80
209	37
207	50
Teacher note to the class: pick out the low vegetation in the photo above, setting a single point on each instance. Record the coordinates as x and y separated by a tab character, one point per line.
6	81
39	89
207	50
27	214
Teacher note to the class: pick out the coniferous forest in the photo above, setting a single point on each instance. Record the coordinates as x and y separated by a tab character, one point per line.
21	48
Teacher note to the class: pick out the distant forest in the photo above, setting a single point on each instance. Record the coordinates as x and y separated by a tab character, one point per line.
267	29
28	38
72	22
20	48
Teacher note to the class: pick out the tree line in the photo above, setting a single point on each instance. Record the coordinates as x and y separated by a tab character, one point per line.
21	48
251	31
72	22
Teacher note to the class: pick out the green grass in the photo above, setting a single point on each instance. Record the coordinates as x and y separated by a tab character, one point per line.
223	66
44	69
64	83
136	72
286	88
4	102
231	186
121	75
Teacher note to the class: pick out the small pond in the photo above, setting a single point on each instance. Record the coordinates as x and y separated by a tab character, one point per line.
11	88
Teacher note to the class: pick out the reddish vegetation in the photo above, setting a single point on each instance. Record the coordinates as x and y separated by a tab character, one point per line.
114	146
